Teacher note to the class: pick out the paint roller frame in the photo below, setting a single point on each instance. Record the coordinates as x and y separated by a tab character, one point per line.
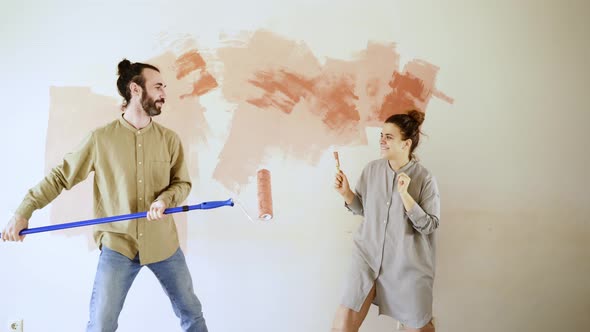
202	206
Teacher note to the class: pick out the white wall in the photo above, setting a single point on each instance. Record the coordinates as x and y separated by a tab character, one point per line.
510	156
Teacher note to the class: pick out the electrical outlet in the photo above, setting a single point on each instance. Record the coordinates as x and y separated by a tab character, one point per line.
15	325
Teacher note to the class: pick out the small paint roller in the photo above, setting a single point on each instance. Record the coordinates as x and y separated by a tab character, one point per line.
264	195
337	161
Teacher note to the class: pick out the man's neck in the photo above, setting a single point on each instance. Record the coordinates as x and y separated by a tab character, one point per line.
136	116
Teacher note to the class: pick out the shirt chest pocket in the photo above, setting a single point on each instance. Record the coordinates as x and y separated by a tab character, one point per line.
159	176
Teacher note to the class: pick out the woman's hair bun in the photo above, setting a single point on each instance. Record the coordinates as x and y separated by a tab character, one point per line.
417	116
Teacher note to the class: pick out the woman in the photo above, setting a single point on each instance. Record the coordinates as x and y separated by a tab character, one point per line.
394	254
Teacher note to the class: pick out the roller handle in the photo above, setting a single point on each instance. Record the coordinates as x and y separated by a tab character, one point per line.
185	208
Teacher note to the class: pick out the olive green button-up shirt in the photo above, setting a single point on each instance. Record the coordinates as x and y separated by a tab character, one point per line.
132	168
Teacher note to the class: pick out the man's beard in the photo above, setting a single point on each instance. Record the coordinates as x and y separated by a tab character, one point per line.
149	104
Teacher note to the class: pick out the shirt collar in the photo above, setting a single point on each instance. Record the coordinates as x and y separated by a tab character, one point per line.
403	169
130	127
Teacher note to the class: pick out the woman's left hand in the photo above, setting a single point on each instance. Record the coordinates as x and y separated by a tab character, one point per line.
403	181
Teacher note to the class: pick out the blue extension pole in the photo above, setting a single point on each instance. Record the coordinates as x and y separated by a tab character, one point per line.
185	208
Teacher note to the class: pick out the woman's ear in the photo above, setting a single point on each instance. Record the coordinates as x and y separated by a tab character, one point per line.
408	143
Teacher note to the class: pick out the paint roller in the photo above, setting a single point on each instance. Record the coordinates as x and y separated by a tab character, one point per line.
185	208
265	209
264	195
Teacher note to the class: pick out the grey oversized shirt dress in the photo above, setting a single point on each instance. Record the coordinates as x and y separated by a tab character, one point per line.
394	249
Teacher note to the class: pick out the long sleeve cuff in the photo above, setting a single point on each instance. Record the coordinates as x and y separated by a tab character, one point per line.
355	206
422	221
166	198
417	216
25	210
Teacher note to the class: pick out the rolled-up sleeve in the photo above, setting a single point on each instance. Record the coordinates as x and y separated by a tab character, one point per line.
356	206
425	214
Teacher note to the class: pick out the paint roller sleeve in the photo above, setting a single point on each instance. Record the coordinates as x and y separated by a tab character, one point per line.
265	211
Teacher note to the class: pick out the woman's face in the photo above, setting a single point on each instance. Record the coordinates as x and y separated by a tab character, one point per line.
391	143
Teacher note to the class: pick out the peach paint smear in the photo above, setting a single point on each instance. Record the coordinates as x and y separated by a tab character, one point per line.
192	62
286	99
75	111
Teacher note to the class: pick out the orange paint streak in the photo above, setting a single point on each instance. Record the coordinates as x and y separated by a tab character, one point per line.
406	92
331	95
204	84
282	89
411	89
188	63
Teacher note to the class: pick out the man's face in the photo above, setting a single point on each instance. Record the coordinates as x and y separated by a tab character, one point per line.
153	95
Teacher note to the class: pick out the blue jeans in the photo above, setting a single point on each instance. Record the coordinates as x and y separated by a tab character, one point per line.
114	276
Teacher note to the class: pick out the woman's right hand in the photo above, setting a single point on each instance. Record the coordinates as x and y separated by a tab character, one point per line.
343	187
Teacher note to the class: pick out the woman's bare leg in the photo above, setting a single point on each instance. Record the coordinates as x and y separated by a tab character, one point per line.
348	320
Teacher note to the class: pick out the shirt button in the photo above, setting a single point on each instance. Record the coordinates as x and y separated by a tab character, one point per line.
387	202
140	234
139	145
385	221
139	181
139	132
140	199
140	162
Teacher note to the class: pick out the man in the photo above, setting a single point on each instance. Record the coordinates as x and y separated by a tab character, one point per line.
138	165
